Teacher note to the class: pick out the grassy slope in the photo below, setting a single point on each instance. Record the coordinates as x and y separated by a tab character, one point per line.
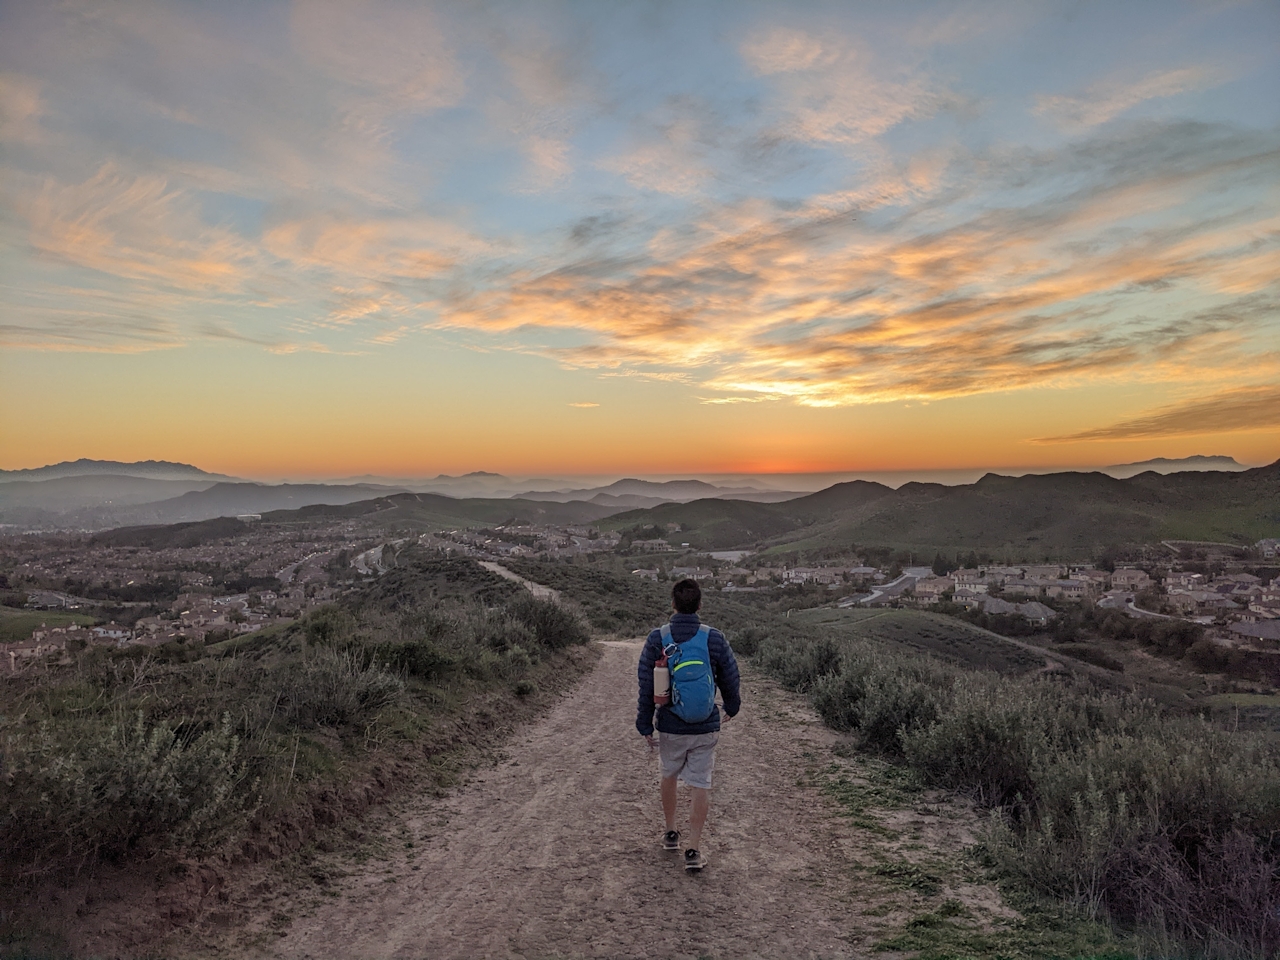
432	658
17	625
712	523
917	631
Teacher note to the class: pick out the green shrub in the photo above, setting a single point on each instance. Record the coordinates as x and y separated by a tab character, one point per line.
423	659
74	795
330	688
879	700
500	630
517	661
554	625
981	742
802	664
1163	822
1088	654
747	640
328	624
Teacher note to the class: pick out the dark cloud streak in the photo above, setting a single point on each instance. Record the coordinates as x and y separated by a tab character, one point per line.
1250	408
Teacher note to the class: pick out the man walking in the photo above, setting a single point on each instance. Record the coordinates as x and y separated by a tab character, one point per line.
687	746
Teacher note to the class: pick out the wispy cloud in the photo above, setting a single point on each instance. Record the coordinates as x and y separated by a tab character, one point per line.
833	89
672	155
20	109
826	308
1248	408
1109	98
138	227
584	406
96	324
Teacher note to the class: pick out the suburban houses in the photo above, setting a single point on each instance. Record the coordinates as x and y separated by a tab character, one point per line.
206	592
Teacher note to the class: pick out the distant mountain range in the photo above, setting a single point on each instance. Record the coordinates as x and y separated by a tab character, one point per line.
147	469
1165	465
650	493
1058	515
421	511
100	494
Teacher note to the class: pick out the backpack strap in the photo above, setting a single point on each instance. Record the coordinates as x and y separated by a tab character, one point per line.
668	645
665	631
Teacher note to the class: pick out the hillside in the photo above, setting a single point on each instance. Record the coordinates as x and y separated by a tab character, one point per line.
92	490
171	536
713	524
431	511
1070	515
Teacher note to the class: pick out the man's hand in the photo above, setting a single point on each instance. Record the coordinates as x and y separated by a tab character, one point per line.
650	739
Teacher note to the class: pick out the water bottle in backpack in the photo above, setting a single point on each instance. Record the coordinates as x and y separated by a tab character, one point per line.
661	681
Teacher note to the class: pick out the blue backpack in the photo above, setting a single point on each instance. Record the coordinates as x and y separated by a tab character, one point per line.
693	688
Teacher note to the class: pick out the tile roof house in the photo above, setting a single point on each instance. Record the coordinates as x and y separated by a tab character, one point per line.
1130	578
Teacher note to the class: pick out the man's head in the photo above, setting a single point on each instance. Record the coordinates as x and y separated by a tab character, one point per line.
686	596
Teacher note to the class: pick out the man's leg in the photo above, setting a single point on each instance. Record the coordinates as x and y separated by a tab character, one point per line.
669	800
698	816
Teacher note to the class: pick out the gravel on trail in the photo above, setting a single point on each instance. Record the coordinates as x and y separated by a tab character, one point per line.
554	852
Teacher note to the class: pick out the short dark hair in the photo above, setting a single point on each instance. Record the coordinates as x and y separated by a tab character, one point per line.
687	596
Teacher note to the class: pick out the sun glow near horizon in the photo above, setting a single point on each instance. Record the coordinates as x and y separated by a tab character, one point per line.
315	240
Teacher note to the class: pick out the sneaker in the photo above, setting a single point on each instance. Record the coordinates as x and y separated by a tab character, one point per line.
671	840
694	861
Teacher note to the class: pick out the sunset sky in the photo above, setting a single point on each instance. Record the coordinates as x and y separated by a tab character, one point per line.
325	239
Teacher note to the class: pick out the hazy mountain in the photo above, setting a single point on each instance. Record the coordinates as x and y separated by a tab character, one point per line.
429	511
94	490
235	499
147	469
1165	465
632	492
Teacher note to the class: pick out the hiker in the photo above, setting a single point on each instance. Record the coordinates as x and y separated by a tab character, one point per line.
687	745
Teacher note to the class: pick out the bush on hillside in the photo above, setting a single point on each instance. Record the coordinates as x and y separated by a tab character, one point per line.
1167	823
554	625
252	723
333	688
77	793
746	641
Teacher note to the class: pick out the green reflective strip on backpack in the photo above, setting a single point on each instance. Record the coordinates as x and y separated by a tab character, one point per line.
690	663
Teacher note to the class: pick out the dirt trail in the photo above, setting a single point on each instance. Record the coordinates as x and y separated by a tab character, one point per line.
554	852
537	589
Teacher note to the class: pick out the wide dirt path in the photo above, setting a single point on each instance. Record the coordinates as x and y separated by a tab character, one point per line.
554	852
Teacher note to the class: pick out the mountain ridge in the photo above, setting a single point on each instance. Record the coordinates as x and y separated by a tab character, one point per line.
1072	514
142	469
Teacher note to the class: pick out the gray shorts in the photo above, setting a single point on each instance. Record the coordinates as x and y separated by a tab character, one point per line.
691	756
